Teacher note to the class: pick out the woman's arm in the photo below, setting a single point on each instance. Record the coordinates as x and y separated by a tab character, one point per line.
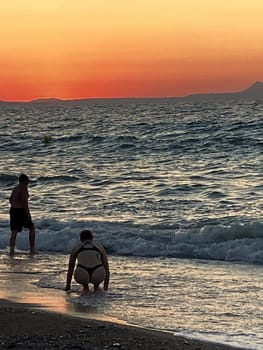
71	266
105	263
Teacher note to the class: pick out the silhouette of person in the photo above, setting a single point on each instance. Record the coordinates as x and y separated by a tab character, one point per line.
20	214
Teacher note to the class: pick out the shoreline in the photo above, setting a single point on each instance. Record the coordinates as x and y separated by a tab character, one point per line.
26	326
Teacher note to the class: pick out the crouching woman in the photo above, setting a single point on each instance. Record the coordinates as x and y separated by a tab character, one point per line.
92	264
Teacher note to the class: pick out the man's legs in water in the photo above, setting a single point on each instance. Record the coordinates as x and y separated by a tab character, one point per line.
32	234
12	242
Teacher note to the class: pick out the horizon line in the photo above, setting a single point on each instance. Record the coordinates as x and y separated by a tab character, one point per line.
60	99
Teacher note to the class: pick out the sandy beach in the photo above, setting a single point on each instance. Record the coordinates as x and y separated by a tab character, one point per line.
24	326
46	318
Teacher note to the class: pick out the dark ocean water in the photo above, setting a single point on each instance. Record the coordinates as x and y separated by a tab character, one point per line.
154	180
155	177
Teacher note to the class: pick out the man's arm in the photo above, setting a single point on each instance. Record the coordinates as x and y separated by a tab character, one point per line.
24	200
11	198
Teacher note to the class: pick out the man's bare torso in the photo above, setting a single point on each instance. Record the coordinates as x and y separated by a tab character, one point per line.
19	197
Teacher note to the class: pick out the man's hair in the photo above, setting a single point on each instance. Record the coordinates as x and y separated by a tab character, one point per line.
23	178
86	234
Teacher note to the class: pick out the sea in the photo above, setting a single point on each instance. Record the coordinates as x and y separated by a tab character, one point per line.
172	189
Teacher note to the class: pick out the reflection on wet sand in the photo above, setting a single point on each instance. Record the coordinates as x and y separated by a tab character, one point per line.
19	280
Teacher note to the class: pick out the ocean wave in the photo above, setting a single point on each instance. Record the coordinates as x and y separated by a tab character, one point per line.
57	178
7	179
237	242
182	176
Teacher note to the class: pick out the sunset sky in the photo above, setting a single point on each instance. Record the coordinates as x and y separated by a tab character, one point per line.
121	48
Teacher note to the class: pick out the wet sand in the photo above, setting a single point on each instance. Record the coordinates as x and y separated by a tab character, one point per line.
24	326
43	318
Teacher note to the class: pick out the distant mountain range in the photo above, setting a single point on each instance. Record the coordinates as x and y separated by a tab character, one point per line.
255	91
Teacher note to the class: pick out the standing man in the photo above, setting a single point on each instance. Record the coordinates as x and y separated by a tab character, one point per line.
20	214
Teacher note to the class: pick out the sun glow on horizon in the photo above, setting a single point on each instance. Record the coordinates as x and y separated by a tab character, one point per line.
85	49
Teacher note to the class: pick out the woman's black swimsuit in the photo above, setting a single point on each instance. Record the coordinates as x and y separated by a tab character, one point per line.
90	270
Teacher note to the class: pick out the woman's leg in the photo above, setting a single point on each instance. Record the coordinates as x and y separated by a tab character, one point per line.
85	289
97	277
81	276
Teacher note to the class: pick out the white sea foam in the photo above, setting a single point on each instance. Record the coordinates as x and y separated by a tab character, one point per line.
242	243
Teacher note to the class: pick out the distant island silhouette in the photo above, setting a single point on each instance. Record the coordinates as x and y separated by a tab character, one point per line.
255	91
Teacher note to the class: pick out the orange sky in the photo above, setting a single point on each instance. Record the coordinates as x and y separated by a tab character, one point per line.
139	48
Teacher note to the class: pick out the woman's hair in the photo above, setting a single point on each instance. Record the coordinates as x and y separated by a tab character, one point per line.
86	234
